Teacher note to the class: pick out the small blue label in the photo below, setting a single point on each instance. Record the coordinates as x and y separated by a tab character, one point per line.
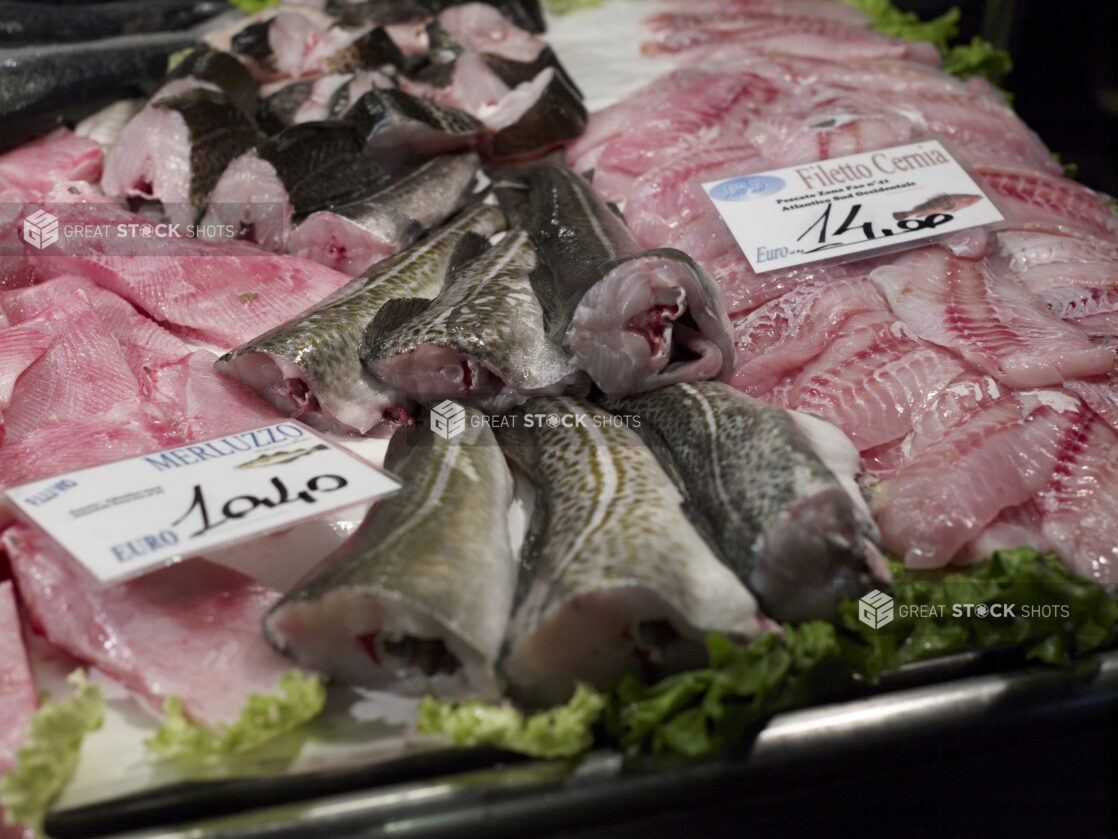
747	188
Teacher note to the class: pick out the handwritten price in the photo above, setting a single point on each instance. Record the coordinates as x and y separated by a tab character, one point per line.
850	225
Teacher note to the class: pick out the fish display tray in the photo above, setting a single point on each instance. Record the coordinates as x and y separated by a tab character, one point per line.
949	709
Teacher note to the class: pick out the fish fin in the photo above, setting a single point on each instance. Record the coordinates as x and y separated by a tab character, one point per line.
391	316
615	208
469	247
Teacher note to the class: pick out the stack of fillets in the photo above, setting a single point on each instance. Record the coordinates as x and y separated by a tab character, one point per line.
976	375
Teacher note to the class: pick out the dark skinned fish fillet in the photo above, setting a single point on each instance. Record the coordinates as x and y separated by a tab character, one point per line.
309	367
480	341
38	22
322	164
417	600
614	578
42	86
772	490
400	128
634	320
352	237
277	109
221	69
175	150
526	14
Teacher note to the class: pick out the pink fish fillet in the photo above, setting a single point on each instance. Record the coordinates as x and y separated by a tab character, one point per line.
20	347
223	293
690	14
34	168
999	458
79	375
990	320
1100	394
784	334
198	402
871	381
1077	506
144	343
1049	201
191	630
18	696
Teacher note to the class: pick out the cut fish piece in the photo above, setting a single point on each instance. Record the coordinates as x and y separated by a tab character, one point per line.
20	347
1047	200
198	402
354	237
249	202
144	343
617	579
309	367
175	149
766	495
1077	505
782	335
481	340
222	293
18	696
872	381
632	320
995	324
163	634
78	376
418	599
34	168
400	129
1001	457
1100	394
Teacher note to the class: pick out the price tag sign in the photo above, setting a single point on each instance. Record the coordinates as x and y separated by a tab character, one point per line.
122	519
888	198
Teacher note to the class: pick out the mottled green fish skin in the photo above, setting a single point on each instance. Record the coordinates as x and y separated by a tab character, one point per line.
437	551
761	493
420	199
575	232
324	342
488	312
608	522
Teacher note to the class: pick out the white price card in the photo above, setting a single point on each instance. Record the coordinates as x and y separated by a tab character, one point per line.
123	519
889	198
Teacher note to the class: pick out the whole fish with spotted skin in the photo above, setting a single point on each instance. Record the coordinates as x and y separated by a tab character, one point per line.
614	578
773	490
480	341
634	320
417	600
309	367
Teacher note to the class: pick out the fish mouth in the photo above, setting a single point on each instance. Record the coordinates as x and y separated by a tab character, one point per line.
431	373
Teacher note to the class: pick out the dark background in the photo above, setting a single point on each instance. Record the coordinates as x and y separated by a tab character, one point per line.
1065	72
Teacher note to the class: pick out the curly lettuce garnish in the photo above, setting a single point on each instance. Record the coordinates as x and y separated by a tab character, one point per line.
297	700
50	752
563	731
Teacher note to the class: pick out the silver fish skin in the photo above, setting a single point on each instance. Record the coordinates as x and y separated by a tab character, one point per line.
634	320
309	367
417	600
773	490
373	228
615	579
481	341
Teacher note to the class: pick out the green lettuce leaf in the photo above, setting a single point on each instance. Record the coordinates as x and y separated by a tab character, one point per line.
978	58
889	20
712	710
1056	615
252	6
562	731
297	700
50	752
562	7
